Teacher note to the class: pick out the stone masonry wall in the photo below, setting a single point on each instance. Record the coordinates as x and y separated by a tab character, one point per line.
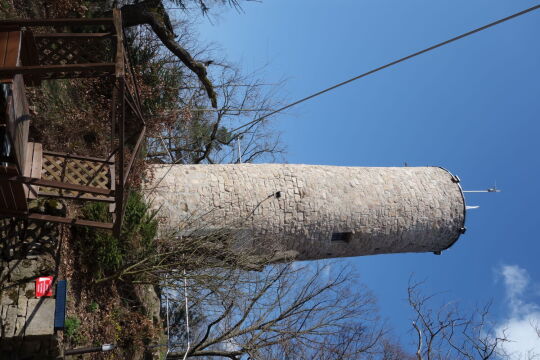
26	322
317	211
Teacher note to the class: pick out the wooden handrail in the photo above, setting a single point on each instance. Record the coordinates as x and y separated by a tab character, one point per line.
73	35
121	116
79	157
58	185
117	16
52	22
135	153
41	69
71	221
137	90
108	199
132	103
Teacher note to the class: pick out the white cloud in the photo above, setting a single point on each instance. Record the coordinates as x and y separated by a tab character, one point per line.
515	278
523	315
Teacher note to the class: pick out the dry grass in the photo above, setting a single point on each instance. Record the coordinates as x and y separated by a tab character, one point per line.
72	115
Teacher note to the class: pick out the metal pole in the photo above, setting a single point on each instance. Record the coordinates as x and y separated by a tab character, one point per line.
493	190
168	326
239	150
187	317
102	348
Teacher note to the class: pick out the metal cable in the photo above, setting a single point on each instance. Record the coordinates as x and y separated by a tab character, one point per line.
395	62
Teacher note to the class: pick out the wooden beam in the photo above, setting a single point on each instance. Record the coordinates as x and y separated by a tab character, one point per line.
13	213
18	23
78	157
56	219
135	153
120	191
108	199
13	49
120	67
73	35
30	57
21	121
136	83
132	103
58	185
70	221
113	116
112	171
121	157
44	69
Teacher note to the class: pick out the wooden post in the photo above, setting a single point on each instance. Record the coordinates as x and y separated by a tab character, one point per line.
113	112
121	157
121	82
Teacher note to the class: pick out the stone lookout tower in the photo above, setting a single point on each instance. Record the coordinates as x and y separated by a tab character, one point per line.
315	211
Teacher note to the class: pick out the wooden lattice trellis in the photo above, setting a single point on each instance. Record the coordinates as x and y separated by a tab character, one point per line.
55	50
75	171
74	49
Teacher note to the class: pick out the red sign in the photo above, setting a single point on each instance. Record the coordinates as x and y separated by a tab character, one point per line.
44	286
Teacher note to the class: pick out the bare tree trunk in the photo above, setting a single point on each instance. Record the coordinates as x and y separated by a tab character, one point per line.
153	13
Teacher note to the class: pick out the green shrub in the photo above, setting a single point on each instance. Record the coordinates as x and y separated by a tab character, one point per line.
100	248
92	307
139	222
106	253
71	329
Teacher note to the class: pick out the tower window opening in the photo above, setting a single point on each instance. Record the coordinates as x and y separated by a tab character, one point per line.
342	236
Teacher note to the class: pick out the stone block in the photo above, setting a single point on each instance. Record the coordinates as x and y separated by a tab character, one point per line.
9	296
22	269
21	306
9	322
40	317
19	326
28	290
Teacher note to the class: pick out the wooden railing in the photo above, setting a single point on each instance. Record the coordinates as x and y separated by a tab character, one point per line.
75	55
19	122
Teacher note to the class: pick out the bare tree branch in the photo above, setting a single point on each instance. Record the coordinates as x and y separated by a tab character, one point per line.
448	334
153	13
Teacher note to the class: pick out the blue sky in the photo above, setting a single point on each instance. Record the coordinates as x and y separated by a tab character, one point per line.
471	107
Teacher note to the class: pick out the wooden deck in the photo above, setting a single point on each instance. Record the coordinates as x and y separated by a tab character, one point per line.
28	171
15	124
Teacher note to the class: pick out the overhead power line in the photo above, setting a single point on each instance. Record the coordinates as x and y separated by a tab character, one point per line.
395	62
